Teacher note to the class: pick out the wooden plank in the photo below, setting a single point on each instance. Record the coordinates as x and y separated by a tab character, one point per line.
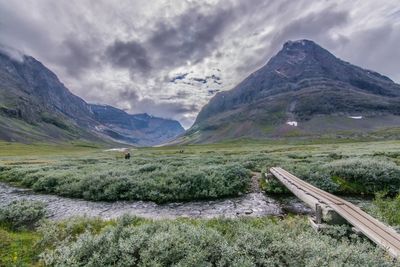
381	234
328	214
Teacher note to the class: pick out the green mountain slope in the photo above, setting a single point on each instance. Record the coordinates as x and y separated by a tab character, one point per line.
303	91
36	106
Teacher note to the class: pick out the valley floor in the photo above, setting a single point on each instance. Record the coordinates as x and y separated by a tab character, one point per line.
208	197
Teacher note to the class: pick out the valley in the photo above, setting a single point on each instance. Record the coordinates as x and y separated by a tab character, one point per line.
218	133
84	184
48	170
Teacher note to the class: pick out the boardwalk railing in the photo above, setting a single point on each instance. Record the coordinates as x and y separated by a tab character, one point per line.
375	230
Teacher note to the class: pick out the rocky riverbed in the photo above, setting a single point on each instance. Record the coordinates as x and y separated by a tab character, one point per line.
252	205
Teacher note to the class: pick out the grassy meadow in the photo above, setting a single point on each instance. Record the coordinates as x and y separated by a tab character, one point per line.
184	173
195	172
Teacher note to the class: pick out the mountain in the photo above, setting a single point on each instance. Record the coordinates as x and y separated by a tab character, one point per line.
140	129
303	91
36	106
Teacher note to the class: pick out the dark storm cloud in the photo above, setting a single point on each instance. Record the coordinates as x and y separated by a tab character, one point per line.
76	56
18	32
376	49
131	55
129	94
191	36
313	26
396	15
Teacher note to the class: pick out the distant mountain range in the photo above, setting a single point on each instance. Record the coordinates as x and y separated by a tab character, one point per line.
140	129
36	106
304	91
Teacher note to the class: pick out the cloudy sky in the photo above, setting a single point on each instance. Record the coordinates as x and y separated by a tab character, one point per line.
169	57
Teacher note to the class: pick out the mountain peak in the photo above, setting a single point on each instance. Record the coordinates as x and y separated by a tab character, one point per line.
303	43
302	49
298	59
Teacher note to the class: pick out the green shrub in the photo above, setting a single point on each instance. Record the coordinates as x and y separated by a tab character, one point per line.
387	209
365	175
55	233
22	214
161	175
274	186
149	168
353	175
155	244
335	156
316	175
217	242
160	179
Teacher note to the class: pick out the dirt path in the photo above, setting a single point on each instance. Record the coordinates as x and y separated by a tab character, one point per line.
255	182
254	204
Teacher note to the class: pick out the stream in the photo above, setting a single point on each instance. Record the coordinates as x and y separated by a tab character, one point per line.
254	204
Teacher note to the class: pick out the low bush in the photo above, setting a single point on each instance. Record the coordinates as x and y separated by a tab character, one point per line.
218	242
387	209
317	175
162	179
365	175
205	173
22	214
354	176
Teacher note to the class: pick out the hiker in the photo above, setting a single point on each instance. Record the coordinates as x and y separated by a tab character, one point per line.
127	155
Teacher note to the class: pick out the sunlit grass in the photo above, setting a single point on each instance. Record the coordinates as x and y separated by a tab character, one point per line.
18	248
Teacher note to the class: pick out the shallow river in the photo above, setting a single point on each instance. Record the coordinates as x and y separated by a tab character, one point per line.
251	205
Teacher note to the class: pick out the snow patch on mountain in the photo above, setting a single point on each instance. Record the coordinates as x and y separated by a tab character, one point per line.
292	123
356	117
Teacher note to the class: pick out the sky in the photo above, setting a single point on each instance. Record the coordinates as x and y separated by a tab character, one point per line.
168	57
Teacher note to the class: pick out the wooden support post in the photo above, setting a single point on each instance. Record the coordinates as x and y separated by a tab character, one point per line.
269	176
318	214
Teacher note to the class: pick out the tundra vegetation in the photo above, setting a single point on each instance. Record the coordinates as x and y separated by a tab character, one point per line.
22	214
207	171
187	173
132	241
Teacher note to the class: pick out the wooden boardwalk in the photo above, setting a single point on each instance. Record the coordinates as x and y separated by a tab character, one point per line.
375	230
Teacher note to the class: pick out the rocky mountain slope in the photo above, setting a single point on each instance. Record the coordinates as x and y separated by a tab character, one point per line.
303	91
36	106
140	129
